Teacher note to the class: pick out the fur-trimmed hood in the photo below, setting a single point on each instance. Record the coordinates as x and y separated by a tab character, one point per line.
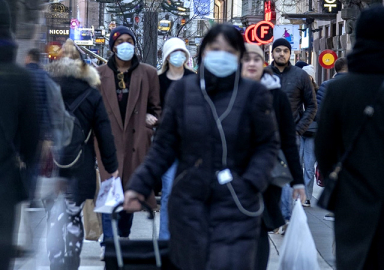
67	67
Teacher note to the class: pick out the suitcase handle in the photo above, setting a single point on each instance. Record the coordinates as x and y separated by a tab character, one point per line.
115	211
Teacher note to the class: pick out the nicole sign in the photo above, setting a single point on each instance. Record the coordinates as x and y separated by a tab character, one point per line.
260	33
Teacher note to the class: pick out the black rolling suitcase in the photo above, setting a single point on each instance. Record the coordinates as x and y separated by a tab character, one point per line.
136	254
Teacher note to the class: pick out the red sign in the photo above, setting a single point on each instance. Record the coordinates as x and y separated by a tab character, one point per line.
327	59
260	33
269	11
137	20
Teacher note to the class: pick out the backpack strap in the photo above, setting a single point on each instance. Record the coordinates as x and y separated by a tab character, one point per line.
76	103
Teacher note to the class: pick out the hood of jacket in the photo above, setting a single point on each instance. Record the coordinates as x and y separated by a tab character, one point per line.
270	81
67	67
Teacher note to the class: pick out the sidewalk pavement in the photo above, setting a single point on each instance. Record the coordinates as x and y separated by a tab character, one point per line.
322	232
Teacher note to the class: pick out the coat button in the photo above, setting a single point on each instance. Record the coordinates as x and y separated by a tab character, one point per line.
133	149
136	111
133	130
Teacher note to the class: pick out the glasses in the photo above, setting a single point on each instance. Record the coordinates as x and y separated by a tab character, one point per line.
121	83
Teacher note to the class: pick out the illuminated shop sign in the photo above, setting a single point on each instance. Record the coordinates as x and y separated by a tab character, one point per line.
260	33
62	32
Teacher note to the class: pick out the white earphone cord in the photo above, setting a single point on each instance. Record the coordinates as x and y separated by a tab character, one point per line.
224	141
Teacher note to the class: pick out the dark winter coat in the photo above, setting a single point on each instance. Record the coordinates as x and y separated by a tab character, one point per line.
207	229
38	76
165	83
272	216
92	115
19	129
360	187
322	91
296	83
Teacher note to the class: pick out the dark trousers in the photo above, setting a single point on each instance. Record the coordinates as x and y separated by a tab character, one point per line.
262	254
124	225
7	217
375	258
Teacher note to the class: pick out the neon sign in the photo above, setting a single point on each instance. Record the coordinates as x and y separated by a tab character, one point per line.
269	11
260	33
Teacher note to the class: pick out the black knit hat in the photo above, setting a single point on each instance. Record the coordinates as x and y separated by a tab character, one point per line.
118	31
369	22
5	21
281	42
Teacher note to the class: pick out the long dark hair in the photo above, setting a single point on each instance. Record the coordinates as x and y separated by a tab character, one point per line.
230	34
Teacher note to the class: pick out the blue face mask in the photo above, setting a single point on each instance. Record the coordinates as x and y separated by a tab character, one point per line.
220	63
177	59
125	51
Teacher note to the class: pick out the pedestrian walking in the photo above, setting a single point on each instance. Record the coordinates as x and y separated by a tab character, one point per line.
38	76
307	146
359	192
253	68
297	85
130	90
19	133
175	58
78	83
341	68
222	130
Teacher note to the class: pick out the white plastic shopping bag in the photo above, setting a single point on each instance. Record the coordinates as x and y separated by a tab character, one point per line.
110	194
298	251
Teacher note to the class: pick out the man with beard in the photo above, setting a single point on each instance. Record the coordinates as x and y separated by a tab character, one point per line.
296	84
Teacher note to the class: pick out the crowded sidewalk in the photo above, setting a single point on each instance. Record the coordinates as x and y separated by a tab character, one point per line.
322	232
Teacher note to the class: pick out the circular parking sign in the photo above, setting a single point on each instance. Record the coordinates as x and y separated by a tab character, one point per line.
327	59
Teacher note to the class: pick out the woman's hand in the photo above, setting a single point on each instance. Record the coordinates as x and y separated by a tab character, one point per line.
150	119
131	201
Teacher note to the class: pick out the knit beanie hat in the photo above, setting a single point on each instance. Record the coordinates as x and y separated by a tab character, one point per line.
5	22
310	70
281	42
251	47
170	46
301	64
118	31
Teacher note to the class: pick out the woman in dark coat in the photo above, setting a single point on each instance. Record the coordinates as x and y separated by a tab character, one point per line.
252	68
359	192
213	225
76	77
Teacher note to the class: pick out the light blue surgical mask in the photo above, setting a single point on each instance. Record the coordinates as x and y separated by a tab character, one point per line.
125	51
177	59
220	63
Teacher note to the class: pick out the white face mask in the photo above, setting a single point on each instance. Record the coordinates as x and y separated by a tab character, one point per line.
220	63
125	51
177	59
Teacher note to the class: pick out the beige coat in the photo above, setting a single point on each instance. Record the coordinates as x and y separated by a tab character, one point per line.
132	140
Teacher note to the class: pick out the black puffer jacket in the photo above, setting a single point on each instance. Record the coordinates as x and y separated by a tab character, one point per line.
272	216
207	229
296	84
92	115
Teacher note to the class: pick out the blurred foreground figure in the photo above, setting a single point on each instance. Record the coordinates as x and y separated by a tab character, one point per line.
359	193
18	133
